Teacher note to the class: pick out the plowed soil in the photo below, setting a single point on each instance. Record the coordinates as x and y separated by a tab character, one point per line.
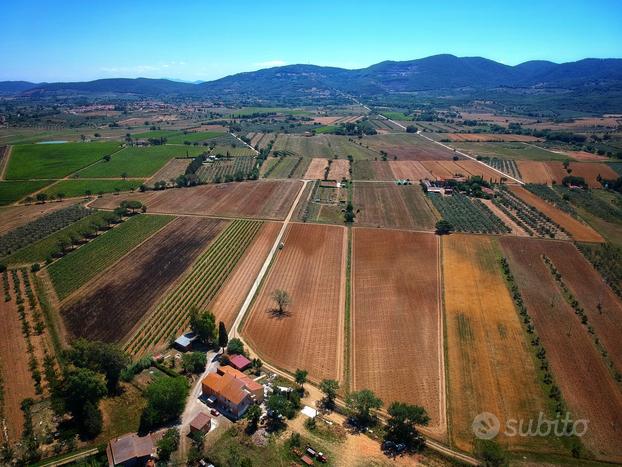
588	170
15	216
490	365
489	137
229	300
397	335
266	199
309	334
339	169
390	205
579	370
411	170
409	147
534	172
579	231
111	305
316	169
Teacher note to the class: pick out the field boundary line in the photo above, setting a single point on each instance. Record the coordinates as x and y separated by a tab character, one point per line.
265	266
244	143
5	163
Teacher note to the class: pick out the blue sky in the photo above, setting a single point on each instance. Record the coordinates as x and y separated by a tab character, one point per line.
201	40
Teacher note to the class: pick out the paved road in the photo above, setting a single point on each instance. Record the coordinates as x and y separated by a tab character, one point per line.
266	265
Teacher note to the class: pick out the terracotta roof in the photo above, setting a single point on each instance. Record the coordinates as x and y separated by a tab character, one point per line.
239	361
200	421
250	384
130	446
226	386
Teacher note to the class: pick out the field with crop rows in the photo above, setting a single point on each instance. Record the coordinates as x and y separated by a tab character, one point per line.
76	269
109	307
514	150
467	215
197	289
309	333
397	334
578	368
266	199
223	170
408	146
14	190
47	161
12	217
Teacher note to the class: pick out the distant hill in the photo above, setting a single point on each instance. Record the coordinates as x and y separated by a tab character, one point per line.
438	73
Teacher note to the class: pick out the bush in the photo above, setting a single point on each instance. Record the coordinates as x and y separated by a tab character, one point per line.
235	347
166	398
194	362
443	227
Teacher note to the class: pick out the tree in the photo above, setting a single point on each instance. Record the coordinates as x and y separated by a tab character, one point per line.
81	391
107	158
256	365
278	408
41	197
363	404
166	398
349	215
92	420
253	414
443	227
223	337
168	444
235	347
194	362
282	299
203	325
329	387
60	196
102	357
402	425
301	377
490	452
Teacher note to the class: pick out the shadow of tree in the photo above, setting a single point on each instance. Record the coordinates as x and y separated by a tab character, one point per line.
278	314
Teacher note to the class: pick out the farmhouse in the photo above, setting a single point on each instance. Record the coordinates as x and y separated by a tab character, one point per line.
130	450
230	393
256	389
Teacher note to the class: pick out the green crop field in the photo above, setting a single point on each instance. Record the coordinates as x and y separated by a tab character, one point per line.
77	268
207	276
516	151
179	137
322	146
79	187
46	247
139	161
12	191
54	160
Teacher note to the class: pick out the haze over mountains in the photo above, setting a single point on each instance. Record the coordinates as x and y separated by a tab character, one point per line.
435	73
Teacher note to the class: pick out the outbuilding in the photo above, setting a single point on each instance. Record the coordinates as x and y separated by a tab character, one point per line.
239	362
202	423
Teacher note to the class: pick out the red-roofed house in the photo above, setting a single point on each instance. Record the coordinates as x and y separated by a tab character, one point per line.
230	393
201	423
130	450
250	385
239	362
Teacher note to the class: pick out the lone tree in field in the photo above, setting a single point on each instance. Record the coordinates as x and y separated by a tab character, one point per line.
282	299
363	405
329	387
223	337
402	425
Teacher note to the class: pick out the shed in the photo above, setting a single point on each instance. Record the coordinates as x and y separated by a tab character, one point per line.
184	343
239	362
201	423
130	450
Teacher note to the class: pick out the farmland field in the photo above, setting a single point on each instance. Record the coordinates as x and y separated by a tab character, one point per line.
487	137
12	191
316	169
229	300
515	150
171	170
590	171
579	370
285	167
139	161
76	188
323	146
44	161
467	214
488	357
76	269
197	289
309	333
409	147
397	348
137	280
339	169
579	231
16	216
391	205
372	170
262	199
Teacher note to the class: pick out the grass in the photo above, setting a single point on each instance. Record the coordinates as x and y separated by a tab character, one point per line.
617	166
362	170
178	137
517	151
75	188
121	413
139	161
12	191
77	268
44	161
396	115
47	246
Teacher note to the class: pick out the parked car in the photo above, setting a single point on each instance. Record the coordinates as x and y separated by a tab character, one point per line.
215	412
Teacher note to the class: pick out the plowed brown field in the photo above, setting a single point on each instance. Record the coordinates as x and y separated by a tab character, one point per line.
589	289
397	348
489	137
265	199
229	300
489	362
588	170
579	231
339	169
409	147
12	217
579	370
316	169
386	204
534	172
411	170
112	305
309	335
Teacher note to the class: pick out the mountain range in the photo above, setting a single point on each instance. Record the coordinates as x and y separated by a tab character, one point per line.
438	73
